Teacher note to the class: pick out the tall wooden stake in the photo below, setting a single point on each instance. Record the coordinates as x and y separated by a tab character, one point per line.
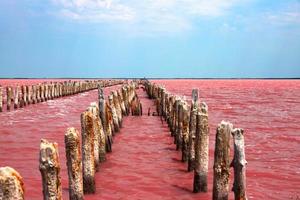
74	164
201	150
239	164
221	161
50	168
11	184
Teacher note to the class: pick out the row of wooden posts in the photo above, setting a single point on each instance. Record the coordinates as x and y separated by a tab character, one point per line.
21	96
190	128
99	123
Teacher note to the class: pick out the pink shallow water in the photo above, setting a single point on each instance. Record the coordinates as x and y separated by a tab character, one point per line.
144	164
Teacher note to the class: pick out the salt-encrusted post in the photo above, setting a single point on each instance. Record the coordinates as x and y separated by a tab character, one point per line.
192	133
24	95
1	99
28	92
38	92
221	161
11	184
87	133
16	97
201	150
74	164
33	94
50	169
185	131
8	97
180	126
239	165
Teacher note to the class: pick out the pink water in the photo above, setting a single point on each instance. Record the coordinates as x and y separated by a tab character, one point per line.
144	163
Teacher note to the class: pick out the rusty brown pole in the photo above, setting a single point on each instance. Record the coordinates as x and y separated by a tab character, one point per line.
88	159
1	99
201	150
11	184
74	164
50	169
96	124
221	161
239	165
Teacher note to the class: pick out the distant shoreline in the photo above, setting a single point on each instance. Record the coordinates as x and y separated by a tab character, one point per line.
167	78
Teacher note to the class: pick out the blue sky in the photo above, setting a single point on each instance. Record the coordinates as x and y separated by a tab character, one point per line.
151	38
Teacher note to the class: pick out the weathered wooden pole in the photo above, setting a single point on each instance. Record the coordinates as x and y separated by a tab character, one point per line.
201	150
1	99
11	184
239	165
38	92
8	97
16	97
88	159
50	169
33	96
74	164
221	161
185	131
24	95
114	114
180	126
103	117
192	133
28	92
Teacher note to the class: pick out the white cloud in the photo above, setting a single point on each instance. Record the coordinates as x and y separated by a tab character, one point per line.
158	15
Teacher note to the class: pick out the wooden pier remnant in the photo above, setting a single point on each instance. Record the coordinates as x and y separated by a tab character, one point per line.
201	150
185	131
11	184
9	96
1	99
239	165
74	164
192	133
88	159
50	170
16	97
221	161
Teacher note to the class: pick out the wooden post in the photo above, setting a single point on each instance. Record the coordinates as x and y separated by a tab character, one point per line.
24	95
185	131
192	137
221	161
11	184
34	94
87	133
96	124
239	165
8	97
38	92
50	169
114	114
28	92
16	97
201	150
180	126
74	164
1	99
